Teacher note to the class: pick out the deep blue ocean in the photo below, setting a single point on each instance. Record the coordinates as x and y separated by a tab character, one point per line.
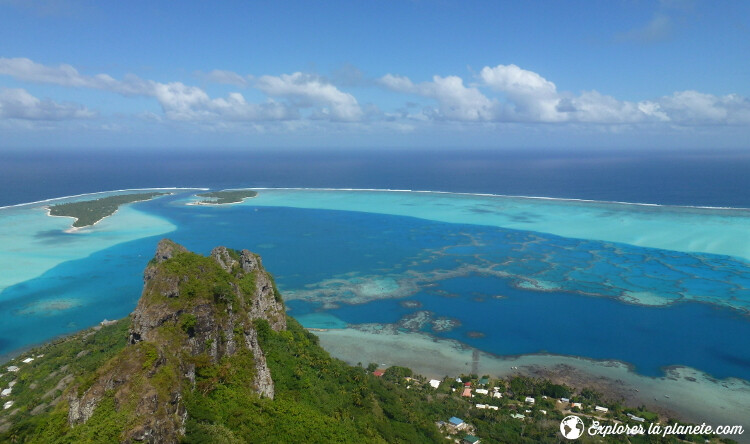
706	178
305	247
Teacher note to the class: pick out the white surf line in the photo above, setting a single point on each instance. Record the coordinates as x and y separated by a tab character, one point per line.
101	192
388	190
564	199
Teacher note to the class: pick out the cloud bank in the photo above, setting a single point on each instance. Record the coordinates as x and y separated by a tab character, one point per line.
496	94
527	97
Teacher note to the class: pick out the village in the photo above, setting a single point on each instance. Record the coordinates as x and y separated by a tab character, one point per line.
527	401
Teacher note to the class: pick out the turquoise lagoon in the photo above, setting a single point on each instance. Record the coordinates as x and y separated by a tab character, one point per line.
653	287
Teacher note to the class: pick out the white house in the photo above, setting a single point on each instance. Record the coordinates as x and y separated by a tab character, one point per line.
576	404
601	409
434	383
482	392
517	416
530	400
13	368
27	360
6	392
481	406
492	407
7	405
497	395
564	400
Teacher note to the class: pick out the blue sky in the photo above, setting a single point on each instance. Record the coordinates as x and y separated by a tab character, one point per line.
588	74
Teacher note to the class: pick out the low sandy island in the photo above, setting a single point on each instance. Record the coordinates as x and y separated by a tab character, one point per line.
216	204
87	213
683	393
225	197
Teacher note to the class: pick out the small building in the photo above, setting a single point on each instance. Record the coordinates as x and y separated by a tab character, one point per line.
517	416
637	418
544	412
458	380
601	409
481	406
434	383
379	372
6	392
107	322
492	407
564	400
467	384
27	360
484	381
470	439
482	392
576	404
467	392
457	423
530	400
13	368
7	405
497	395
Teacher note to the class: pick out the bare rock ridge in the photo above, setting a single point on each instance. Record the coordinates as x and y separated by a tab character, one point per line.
194	311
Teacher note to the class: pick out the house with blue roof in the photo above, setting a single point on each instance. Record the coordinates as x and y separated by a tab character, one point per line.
457	423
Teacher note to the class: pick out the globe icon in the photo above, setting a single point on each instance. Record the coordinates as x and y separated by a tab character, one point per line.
571	427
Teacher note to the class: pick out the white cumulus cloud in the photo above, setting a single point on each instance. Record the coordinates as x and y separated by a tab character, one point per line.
16	103
305	90
184	102
534	97
455	100
65	75
693	107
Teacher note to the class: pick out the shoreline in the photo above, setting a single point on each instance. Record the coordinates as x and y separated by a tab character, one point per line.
387	190
72	229
693	395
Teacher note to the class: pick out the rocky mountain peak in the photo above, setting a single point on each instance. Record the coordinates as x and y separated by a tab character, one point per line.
194	311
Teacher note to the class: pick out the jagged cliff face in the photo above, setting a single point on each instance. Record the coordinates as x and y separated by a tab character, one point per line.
194	312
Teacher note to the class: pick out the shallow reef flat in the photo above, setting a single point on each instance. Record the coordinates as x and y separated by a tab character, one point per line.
538	262
686	229
33	243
